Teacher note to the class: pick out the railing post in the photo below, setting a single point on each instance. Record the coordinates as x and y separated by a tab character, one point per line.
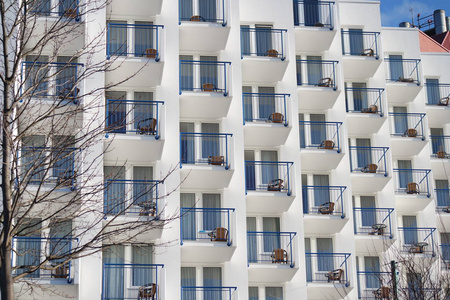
181	225
179	77
288	179
334	75
428	185
342	201
282	46
417	72
376	45
351	158
224	23
330	10
285	111
385	163
181	150
157	44
421	126
391	236
225	92
108	36
338	139
291	237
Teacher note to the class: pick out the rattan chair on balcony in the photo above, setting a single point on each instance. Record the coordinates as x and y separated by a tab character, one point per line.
441	154
373	109
70	13
382	293
335	275
276	117
444	101
146	126
446	209
147	292
370	168
405	79
367	52
327	144
219	234
209	87
151	53
279	256
68	93
61	271
197	19
271	53
275	185
326	208
411	132
217	160
412	188
325	82
418	247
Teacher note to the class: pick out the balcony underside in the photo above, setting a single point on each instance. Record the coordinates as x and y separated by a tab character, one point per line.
360	67
313	39
199	36
368	183
402	92
364	124
151	230
370	244
323	224
138	148
268	202
205	177
206	252
405	203
440	167
59	290
136	72
316	98
61	202
437	115
265	134
141	9
204	105
320	160
320	291
406	146
263	69
270	273
443	222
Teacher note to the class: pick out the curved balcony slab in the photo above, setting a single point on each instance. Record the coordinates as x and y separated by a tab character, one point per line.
132	147
271	273
265	134
268	202
206	252
141	9
320	160
204	105
203	36
402	92
360	67
364	124
323	224
263	69
319	38
368	182
316	98
205	177
135	72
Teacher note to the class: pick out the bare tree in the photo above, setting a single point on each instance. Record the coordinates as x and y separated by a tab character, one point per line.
53	209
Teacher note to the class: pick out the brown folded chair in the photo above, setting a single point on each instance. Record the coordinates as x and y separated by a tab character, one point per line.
325	82
151	53
327	144
147	126
275	185
370	168
279	256
276	117
326	208
412	188
208	87
215	160
219	234
335	275
197	19
373	109
271	53
147	292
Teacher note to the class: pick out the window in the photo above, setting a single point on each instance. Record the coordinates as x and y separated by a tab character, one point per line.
410	236
28	247
400	119
437	140
210	142
263	238
442	193
433	91
210	278
396	67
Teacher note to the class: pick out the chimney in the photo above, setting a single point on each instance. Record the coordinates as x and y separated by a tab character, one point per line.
440	24
447	21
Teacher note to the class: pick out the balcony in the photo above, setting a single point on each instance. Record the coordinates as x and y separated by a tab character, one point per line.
408	133
65	9
373	229
203	25
134	129
265	114
268	186
206	234
135	53
317	84
369	168
32	254
361	53
440	155
442	199
210	292
374	285
327	275
323	209
364	110
417	240
403	80
445	256
314	22
205	160
141	9
320	144
438	96
270	256
204	89
412	188
263	53
132	200
133	281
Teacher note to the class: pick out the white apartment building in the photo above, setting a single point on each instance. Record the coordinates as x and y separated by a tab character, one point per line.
311	148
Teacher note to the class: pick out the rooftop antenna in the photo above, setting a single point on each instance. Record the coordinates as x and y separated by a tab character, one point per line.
411	11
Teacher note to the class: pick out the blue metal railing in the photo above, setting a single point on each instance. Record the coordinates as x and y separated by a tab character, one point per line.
48	165
65	9
403	70
326	267
320	73
204	76
265	107
208	292
445	256
131	197
373	221
131	281
205	148
412	181
438	94
408	124
362	43
211	224
440	146
34	253
133	116
270	247
317	200
54	80
202	11
272	176
374	285
320	135
261	41
314	13
417	240
368	159
364	100
146	41
443	198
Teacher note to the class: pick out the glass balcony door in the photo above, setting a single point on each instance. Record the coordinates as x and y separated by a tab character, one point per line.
187	73
442	193
209	71
405	173
368	216
63	157
65	6
271	241
325	262
114	278
266	103
142	113
263	39
252	248
143	38
211	218
37	72
437	141
143	192
65	77
210	143
364	154
269	171
142	255
318	130
396	67
311	12
433	93
117	112
309	269
188	278
410	236
250	171
212	277
187	143
356	41
400	120
115	191
28	248
208	10
372	264
33	156
321	190
118	38
314	69
360	100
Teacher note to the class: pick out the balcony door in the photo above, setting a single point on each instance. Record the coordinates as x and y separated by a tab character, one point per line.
187	143
356	41
252	242
212	277
211	217
309	269
117	111
250	170
314	69
114	281
188	219
32	158
360	100
248	103
143	113
405	174
188	279
410	236
433	93
371	265
318	129
321	189
400	120
143	37
301	118
271	236
325	263
115	190
368	216
311	12
186	72
28	249
210	143
305	194
65	76
266	102
118	38
142	255
37	75
63	157
396	67
442	193
263	39
208	10
65	6
363	154
270	169
143	192
437	141
60	245
209	71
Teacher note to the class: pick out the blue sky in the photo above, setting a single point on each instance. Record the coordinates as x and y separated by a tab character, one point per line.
395	11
